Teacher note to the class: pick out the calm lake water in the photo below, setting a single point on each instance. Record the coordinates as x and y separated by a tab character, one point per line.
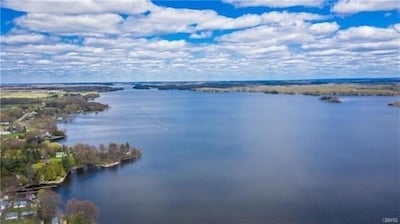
242	158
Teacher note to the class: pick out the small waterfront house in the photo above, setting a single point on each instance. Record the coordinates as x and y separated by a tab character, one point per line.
28	213
11	216
3	205
60	154
30	196
20	204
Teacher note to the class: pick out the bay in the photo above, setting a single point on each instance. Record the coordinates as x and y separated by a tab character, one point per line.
242	158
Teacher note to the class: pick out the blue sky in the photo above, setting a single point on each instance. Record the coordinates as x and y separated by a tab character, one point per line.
143	40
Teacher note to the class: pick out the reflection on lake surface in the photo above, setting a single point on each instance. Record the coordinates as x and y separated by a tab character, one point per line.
242	158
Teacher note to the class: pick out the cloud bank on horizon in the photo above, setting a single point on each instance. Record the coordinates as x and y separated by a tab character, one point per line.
143	40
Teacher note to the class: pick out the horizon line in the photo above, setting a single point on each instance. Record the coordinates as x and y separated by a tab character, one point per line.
209	81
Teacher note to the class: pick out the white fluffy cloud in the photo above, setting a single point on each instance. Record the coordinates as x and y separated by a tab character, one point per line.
363	42
323	28
70	24
368	33
275	3
95	40
79	6
23	39
201	35
320	49
170	20
198	23
94	17
298	32
354	6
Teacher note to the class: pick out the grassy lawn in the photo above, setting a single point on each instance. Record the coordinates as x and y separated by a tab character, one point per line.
27	220
34	220
38	165
52	160
13	135
20	210
24	94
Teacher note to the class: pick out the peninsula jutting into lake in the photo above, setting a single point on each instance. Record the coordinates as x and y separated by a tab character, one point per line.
194	112
33	162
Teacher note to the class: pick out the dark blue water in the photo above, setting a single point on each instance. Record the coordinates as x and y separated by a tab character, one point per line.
242	158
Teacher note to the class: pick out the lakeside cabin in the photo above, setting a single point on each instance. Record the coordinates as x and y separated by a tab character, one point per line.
60	154
11	215
20	204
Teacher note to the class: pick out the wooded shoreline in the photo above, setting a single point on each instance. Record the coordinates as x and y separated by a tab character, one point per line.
29	155
33	188
339	89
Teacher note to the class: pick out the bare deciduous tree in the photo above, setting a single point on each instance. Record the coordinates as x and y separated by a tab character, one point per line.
81	212
49	202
